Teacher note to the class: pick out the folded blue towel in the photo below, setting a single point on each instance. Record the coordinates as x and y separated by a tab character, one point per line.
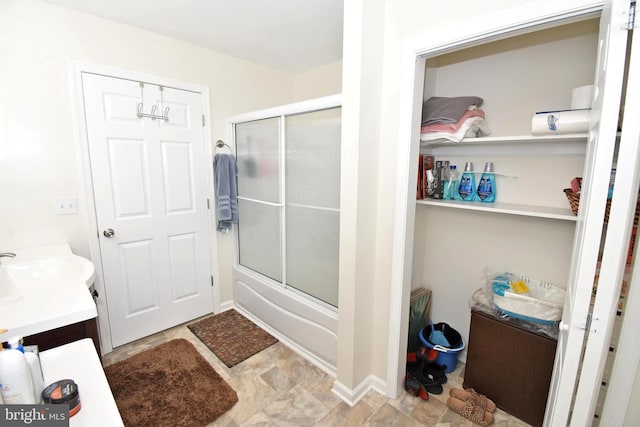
438	338
225	171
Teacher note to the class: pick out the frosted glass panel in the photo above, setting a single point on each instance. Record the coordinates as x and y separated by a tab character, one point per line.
312	252
311	174
259	237
258	156
313	158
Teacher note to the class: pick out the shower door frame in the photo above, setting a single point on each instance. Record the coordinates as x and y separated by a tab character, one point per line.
281	113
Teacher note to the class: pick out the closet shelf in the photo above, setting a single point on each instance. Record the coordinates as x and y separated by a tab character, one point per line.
519	139
511	145
504	208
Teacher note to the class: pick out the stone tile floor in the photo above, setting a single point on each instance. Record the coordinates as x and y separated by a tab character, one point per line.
277	387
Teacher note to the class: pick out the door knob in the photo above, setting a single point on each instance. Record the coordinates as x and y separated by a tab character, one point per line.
108	232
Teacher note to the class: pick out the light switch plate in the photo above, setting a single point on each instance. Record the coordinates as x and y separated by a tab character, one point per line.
65	206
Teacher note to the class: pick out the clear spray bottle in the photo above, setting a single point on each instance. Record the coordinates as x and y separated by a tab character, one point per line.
451	186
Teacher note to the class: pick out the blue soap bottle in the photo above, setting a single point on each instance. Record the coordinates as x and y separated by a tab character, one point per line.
467	186
487	186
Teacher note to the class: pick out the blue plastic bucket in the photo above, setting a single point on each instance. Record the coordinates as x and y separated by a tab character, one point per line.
447	356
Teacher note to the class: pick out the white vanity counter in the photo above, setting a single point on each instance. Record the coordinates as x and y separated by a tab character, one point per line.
79	362
43	289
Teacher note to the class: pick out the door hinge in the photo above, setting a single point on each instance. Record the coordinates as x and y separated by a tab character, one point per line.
203	120
587	323
211	281
631	22
208	205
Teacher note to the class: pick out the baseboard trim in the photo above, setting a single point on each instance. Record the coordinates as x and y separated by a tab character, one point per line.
227	305
353	396
349	396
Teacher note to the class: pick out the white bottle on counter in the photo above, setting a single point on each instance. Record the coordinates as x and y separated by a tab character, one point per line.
34	366
16	385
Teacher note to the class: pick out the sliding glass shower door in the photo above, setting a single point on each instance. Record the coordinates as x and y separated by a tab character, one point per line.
259	196
289	200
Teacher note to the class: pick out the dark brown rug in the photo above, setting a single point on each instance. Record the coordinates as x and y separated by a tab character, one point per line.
231	336
169	385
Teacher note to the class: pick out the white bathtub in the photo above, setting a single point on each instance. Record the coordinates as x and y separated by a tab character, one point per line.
307	326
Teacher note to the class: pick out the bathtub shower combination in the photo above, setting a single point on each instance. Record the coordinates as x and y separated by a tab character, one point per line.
288	233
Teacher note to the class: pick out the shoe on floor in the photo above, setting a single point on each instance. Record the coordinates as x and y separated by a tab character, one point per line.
469	393
416	370
435	372
414	387
471	410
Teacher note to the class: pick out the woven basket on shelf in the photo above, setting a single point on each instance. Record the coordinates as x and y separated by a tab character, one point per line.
574	202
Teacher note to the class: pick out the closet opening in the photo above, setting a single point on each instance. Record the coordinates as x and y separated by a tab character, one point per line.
452	246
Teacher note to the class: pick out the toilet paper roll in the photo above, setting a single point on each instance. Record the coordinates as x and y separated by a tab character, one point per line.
581	97
560	122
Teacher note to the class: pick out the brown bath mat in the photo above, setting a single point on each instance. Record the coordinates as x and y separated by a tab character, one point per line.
231	336
169	385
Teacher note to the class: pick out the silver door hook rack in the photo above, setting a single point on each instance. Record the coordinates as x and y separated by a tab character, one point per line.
154	108
153	114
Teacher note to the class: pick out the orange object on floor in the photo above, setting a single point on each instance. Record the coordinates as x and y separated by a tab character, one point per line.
424	354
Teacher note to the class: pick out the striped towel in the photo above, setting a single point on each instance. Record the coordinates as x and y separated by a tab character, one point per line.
225	171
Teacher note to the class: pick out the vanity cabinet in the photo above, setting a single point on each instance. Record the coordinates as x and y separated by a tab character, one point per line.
54	303
66	334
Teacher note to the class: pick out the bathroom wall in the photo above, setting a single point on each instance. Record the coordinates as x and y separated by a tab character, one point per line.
39	144
321	81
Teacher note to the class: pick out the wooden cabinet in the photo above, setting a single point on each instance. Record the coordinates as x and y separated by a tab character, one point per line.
510	364
66	334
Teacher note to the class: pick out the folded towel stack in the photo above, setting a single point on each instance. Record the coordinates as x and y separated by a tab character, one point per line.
452	119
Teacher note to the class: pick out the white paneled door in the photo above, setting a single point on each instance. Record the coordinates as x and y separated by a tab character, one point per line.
149	181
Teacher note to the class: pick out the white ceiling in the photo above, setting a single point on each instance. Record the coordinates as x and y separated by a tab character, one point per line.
288	35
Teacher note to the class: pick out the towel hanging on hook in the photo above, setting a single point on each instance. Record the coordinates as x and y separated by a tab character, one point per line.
154	107
225	173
